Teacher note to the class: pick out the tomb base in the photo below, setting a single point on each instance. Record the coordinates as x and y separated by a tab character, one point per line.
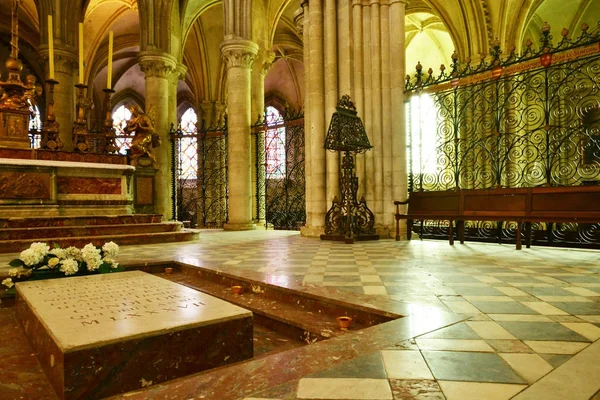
99	335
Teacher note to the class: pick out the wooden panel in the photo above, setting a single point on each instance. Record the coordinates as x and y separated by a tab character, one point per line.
489	202
431	203
565	202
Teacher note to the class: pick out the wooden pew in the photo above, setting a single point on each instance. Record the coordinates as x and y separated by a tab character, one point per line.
579	204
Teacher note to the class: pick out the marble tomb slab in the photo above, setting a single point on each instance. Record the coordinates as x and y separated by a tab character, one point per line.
99	335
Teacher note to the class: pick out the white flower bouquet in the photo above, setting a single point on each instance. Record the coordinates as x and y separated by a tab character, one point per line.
41	262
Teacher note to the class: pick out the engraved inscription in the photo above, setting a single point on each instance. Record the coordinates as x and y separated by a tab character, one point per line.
92	303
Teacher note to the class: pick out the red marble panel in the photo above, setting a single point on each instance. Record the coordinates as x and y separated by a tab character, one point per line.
144	190
27	154
25	185
114	368
84	185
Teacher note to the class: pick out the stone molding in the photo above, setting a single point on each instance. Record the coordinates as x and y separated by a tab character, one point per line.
239	53
159	65
299	21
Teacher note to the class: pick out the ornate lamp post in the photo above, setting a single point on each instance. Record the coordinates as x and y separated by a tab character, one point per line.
348	219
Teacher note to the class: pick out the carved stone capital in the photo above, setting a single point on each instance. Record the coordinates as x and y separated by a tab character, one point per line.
267	63
299	21
65	58
238	53
159	65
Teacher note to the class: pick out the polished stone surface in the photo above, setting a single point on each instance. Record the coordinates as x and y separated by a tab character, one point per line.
427	281
87	311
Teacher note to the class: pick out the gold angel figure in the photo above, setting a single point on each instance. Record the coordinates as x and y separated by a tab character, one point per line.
144	139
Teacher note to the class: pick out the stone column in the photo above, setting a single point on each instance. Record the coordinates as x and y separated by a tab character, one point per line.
305	230
331	96
386	123
65	70
261	67
238	55
315	128
158	67
398	132
376	156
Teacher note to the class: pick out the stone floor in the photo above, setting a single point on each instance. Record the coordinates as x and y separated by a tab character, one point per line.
529	320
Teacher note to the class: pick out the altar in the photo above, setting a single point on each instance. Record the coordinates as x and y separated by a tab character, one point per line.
99	335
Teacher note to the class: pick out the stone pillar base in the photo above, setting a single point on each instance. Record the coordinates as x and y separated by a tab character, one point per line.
239	227
312	231
387	231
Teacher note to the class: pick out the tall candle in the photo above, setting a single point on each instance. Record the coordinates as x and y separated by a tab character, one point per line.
81	53
110	54
50	48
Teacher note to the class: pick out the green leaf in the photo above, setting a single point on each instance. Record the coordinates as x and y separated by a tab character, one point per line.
17	262
104	268
55	245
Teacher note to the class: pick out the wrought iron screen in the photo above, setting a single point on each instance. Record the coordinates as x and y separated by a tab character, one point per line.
525	121
280	180
200	185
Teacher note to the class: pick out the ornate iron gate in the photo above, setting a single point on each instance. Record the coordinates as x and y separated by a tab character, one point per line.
199	175
280	173
524	121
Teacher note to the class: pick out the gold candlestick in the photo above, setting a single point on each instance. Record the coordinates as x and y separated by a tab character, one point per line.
80	131
50	131
109	132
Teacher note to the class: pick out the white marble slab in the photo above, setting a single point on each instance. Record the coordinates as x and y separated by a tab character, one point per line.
64	164
88	311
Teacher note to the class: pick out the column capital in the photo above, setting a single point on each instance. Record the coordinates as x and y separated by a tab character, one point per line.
299	21
155	64
65	58
397	1
267	62
238	53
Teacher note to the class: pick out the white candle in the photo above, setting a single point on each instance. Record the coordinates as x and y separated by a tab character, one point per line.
81	53
110	55
50	48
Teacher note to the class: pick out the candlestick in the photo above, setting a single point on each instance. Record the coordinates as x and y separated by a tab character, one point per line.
110	57
81	53
50	48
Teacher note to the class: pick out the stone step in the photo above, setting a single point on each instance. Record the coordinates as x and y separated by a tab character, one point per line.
16	246
84	231
79	220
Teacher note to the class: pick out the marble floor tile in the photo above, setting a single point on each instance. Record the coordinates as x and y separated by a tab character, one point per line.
509	346
589	331
542	331
489	330
530	367
579	291
519	317
555	347
512	307
581	373
376	290
492	299
405	364
479	391
461	307
369	366
590	318
468	366
510	291
545	308
556	359
347	389
565	299
416	390
454	345
456	331
592	308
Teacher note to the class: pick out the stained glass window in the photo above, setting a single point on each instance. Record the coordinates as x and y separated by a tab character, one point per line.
120	117
275	145
35	125
188	150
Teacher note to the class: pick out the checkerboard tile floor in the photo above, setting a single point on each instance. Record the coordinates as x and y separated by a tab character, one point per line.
526	312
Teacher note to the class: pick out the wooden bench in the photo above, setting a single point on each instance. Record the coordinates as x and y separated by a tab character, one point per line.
579	204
